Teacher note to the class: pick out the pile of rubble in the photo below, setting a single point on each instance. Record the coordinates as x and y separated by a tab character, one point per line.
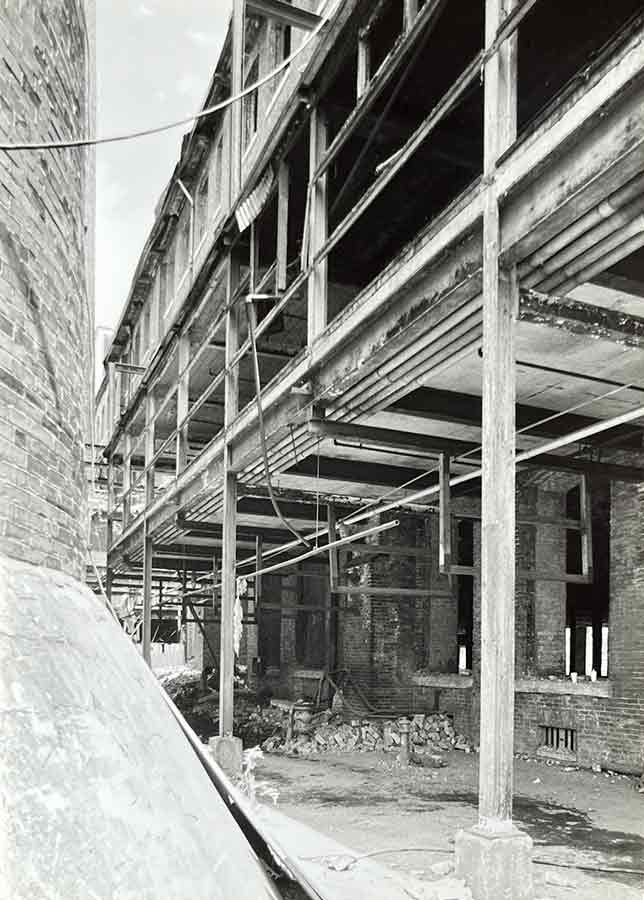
195	694
303	733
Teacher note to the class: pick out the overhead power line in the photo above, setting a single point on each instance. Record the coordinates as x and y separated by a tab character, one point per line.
168	126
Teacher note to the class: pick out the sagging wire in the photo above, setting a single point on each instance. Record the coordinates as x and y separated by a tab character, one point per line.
250	316
177	123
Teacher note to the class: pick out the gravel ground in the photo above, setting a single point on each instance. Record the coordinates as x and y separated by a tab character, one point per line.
369	803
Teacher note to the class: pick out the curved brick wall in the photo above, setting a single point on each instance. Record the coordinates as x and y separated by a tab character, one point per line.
45	325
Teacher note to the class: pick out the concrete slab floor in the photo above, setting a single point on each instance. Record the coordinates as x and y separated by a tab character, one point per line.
367	802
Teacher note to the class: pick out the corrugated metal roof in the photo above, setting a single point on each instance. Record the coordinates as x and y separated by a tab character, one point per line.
247	212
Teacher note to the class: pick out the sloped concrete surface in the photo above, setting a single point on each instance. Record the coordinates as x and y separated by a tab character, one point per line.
101	796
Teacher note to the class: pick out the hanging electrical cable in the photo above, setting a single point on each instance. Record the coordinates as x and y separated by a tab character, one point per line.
250	316
177	123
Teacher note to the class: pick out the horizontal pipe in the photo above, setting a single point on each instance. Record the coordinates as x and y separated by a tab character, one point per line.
592	242
630	246
324	548
596	251
581	226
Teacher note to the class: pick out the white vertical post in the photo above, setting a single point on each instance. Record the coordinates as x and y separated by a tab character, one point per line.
317	286
364	61
282	226
150	428
237	108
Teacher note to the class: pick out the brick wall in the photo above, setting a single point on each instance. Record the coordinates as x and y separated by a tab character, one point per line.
45	321
626	614
550	596
525	591
442	655
383	639
609	730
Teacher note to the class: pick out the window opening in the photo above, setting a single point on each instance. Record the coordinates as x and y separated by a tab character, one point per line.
250	103
202	207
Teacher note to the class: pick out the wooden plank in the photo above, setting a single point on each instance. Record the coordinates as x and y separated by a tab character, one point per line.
364	68
444	106
445	516
586	510
528	575
284	13
333	553
389	591
149	447
526	160
229	528
410	11
388	71
127	476
196	620
147	597
235	129
183	402
283	181
318	226
254	258
330	621
500	307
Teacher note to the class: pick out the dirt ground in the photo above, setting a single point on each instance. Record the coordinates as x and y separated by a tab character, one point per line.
369	803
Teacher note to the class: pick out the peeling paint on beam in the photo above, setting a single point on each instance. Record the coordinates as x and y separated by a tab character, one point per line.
586	319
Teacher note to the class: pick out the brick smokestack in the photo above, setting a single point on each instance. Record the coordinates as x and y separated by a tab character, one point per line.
45	317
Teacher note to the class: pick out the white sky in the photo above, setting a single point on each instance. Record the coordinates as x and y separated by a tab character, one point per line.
154	61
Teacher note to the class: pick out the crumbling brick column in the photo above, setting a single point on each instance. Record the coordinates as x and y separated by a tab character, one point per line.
442	653
525	591
626	622
550	596
46	316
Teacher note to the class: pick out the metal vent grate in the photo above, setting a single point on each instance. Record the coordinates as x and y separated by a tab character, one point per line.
559	738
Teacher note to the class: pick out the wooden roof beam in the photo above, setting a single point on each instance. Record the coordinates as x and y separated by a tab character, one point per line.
284	13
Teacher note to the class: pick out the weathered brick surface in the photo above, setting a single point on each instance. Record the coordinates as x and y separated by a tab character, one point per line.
45	321
550	596
626	636
609	731
384	639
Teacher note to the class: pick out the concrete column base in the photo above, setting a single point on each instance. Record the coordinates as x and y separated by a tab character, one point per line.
227	753
495	865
